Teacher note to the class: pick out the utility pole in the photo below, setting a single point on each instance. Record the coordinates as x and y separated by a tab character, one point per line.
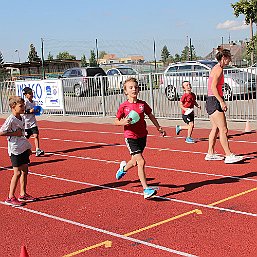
42	58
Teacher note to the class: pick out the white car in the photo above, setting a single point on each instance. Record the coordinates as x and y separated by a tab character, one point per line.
236	82
252	69
116	77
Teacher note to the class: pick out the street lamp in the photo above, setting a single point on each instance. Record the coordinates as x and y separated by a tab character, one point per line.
17	51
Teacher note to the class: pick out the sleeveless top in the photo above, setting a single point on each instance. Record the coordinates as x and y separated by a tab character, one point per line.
219	86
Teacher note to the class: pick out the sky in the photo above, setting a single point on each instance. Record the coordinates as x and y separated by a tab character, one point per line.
120	27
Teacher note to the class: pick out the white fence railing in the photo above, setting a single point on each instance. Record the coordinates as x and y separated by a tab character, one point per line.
101	96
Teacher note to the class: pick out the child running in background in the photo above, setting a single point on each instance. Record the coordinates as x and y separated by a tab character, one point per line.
187	103
135	134
19	150
31	127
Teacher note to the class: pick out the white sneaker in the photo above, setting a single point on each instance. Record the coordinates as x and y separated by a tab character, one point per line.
233	158
213	157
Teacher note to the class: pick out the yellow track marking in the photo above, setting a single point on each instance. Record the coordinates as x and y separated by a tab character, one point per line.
197	211
105	243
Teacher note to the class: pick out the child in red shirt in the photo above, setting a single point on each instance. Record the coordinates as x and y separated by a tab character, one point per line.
187	103
135	133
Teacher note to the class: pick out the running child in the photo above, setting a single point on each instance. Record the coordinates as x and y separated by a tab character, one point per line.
135	134
31	127
19	150
187	103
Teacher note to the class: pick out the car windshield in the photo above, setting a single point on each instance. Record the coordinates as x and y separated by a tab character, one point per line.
127	71
210	64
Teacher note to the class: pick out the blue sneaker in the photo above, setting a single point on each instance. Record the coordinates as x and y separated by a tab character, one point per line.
190	140
120	173
149	192
178	129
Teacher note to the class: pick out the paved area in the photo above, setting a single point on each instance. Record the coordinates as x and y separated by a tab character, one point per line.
236	125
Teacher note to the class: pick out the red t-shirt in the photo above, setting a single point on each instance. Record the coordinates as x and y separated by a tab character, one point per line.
138	129
188	100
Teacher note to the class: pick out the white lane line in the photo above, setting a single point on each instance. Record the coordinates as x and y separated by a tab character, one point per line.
138	193
160	247
151	167
121	133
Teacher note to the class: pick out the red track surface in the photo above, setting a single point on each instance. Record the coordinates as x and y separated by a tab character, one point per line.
82	207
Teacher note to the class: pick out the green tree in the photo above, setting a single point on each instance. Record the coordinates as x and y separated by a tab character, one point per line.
165	55
84	61
249	9
186	54
3	73
50	56
92	59
65	56
33	56
177	58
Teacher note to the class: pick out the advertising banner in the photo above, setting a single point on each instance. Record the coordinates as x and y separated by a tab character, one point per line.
47	93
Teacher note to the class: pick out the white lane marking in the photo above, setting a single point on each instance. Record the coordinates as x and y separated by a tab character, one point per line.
137	193
149	166
160	247
120	133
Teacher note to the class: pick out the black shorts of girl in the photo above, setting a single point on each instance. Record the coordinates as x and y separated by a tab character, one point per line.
188	118
20	159
136	146
31	131
212	105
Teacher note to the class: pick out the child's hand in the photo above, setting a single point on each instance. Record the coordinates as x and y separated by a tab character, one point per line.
18	133
126	121
31	110
162	132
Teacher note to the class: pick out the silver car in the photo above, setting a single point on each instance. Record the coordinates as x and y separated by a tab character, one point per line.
237	83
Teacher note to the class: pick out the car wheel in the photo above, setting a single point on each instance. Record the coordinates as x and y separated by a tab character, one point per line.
77	90
227	92
171	93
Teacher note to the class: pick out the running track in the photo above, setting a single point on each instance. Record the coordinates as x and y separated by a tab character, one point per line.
202	209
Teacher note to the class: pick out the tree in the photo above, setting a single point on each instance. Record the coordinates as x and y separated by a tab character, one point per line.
33	56
186	54
50	56
92	59
3	72
65	56
84	61
249	9
165	55
177	58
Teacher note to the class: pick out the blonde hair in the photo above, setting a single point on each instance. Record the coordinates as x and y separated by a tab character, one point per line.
14	100
130	79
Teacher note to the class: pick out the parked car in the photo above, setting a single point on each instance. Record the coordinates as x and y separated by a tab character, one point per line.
84	81
117	76
236	82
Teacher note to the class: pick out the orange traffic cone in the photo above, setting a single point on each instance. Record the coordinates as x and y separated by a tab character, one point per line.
24	252
247	126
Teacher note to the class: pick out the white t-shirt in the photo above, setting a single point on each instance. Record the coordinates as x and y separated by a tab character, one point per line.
30	119
16	145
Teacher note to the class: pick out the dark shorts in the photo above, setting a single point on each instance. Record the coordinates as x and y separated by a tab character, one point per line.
31	131
136	146
188	118
212	105
20	159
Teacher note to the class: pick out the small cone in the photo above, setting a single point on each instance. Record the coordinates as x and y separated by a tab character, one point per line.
247	126
24	252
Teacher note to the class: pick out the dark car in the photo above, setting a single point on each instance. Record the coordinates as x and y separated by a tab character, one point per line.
85	81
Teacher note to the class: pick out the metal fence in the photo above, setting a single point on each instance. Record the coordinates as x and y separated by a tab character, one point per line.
102	96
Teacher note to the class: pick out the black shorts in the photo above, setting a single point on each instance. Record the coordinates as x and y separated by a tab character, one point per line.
31	131
212	105
20	159
188	118
136	146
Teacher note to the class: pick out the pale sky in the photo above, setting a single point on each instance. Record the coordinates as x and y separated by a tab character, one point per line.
121	27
